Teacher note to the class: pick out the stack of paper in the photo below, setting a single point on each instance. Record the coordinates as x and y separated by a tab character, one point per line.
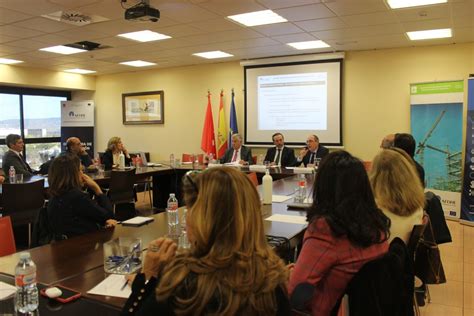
113	285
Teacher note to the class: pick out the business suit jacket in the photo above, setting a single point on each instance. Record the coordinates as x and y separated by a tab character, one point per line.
108	160
10	158
287	158
320	153
245	154
75	213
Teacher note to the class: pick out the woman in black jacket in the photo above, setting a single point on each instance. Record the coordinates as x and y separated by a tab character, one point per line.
71	211
115	147
230	268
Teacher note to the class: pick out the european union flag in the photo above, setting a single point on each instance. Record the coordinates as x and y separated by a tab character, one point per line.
233	121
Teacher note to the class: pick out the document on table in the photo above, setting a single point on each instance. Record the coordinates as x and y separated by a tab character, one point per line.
112	286
292	219
280	198
6	290
137	221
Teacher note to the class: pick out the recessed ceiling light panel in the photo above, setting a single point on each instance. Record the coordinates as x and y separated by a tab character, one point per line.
61	49
398	4
309	45
258	18
80	71
137	63
429	34
8	61
213	54
144	36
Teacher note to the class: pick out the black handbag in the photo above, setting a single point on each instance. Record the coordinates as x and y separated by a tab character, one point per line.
428	265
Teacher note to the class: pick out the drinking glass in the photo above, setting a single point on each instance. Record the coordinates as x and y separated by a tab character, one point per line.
123	255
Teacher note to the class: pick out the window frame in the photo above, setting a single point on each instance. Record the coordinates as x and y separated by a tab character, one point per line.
21	92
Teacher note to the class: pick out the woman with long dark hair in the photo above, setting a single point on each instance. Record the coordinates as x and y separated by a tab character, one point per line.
70	210
345	230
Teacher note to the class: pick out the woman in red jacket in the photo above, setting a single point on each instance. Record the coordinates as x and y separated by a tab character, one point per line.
345	230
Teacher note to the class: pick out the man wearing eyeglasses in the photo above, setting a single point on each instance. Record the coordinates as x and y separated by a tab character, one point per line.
74	146
312	153
238	154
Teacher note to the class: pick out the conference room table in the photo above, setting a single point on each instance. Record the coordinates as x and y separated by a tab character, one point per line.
77	263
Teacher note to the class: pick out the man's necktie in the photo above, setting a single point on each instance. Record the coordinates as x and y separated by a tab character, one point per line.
277	159
311	158
25	164
234	158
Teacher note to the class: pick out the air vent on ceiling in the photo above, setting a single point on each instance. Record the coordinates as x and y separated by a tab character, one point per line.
74	17
87	45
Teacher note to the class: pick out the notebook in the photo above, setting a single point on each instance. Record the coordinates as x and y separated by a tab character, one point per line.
138	221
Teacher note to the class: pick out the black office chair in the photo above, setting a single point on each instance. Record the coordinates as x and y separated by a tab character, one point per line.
122	183
416	234
22	202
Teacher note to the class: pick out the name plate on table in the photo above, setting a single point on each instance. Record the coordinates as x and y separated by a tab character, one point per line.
261	168
301	169
212	165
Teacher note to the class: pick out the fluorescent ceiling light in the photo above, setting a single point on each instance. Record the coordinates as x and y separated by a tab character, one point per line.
61	49
213	54
80	71
9	61
308	44
137	63
398	4
144	36
429	34
258	18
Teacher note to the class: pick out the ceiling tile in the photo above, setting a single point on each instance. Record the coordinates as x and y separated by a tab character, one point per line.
44	25
231	7
223	36
355	32
427	25
375	18
108	9
10	16
179	30
441	11
321	24
216	25
277	29
185	12
279	4
301	37
32	7
305	12
349	7
19	32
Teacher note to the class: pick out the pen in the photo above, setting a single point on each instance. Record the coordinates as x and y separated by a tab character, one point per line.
124	285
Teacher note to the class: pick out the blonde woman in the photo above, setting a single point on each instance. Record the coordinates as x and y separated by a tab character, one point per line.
398	191
111	156
230	268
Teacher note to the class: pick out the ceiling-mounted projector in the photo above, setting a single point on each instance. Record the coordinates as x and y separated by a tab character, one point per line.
142	12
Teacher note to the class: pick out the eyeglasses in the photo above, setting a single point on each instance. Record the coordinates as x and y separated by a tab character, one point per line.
189	175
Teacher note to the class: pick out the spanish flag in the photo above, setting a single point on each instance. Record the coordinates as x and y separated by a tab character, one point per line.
221	130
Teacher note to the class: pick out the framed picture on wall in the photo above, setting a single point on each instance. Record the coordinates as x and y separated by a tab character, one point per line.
143	108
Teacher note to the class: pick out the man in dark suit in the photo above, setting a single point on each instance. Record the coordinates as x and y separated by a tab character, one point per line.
280	155
312	152
238	153
13	157
75	147
407	143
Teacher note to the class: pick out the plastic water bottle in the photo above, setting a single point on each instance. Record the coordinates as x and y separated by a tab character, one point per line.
12	174
121	161
302	188
183	238
172	161
26	298
172	210
267	182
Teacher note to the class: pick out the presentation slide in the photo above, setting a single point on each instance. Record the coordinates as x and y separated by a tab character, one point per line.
295	98
292	102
